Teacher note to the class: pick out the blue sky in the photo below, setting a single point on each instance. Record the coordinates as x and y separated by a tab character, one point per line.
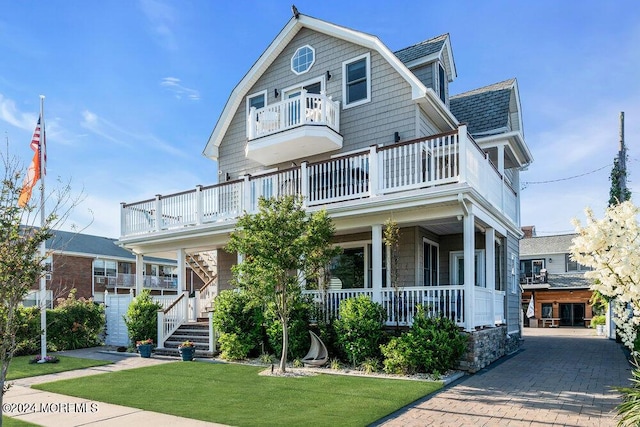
134	88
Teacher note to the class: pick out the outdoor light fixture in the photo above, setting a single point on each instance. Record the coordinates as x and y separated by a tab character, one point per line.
396	137
328	75
276	93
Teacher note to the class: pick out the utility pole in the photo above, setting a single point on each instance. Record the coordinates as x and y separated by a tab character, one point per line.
622	157
619	192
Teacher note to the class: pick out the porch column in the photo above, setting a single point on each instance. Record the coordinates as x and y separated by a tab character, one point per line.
376	262
500	164
469	270
182	283
490	268
139	273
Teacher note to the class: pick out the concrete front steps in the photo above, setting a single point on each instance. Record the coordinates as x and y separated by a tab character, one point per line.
196	332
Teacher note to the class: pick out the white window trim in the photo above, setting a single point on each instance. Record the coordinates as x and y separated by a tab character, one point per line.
253	95
299	86
344	81
310	65
358	244
480	267
437	246
248	106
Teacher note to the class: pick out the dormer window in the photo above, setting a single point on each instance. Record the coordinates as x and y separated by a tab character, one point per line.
303	59
441	83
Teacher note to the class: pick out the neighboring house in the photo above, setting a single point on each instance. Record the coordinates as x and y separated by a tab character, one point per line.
560	291
333	115
92	265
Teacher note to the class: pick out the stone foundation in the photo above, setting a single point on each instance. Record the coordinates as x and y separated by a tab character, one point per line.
486	346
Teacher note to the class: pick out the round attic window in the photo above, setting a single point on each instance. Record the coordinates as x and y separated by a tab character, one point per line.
303	59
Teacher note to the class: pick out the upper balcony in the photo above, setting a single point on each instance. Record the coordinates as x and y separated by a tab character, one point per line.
296	127
428	162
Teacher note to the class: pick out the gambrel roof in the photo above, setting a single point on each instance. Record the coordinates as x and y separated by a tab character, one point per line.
420	93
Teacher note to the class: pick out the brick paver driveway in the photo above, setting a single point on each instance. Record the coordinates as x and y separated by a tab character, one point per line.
560	377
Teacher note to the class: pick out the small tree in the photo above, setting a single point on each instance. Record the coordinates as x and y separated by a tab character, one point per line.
611	247
391	238
22	262
281	245
142	318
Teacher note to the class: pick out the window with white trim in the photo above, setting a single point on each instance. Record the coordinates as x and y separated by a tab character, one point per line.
441	83
102	267
303	59
429	263
356	81
256	100
457	268
572	265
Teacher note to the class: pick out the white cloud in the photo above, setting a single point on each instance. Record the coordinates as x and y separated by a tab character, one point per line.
10	114
173	84
124	137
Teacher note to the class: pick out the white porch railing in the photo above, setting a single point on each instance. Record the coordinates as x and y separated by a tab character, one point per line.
427	162
307	108
447	301
128	281
170	318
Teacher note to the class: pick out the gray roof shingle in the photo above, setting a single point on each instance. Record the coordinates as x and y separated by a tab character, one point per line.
543	245
486	109
419	50
86	244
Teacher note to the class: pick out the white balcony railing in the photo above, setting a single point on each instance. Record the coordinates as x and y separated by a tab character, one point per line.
427	162
445	300
123	280
307	108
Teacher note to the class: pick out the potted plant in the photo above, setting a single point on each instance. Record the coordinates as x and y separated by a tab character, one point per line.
145	347
598	322
187	349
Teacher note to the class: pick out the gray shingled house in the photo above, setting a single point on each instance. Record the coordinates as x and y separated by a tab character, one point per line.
332	114
560	291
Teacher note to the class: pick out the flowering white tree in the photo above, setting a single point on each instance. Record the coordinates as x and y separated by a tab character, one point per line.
611	247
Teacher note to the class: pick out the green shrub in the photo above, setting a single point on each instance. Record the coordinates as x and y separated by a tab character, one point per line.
598	320
28	332
233	315
298	330
360	328
370	366
233	347
142	318
75	323
433	345
629	409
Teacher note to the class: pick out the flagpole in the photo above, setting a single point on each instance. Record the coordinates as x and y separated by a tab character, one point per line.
43	248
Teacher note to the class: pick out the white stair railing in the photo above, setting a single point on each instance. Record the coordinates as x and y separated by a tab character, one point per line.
170	319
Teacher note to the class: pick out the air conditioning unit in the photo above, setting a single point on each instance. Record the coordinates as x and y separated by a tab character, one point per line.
99	279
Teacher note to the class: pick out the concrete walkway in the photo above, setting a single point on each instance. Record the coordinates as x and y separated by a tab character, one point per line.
57	410
560	377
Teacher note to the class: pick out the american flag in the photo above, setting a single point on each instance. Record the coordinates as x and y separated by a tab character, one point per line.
36	169
35	145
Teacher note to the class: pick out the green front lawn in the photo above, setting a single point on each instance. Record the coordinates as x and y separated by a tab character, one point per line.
21	368
237	395
14	422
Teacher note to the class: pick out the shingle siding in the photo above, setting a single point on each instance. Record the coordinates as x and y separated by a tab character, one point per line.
513	300
391	108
